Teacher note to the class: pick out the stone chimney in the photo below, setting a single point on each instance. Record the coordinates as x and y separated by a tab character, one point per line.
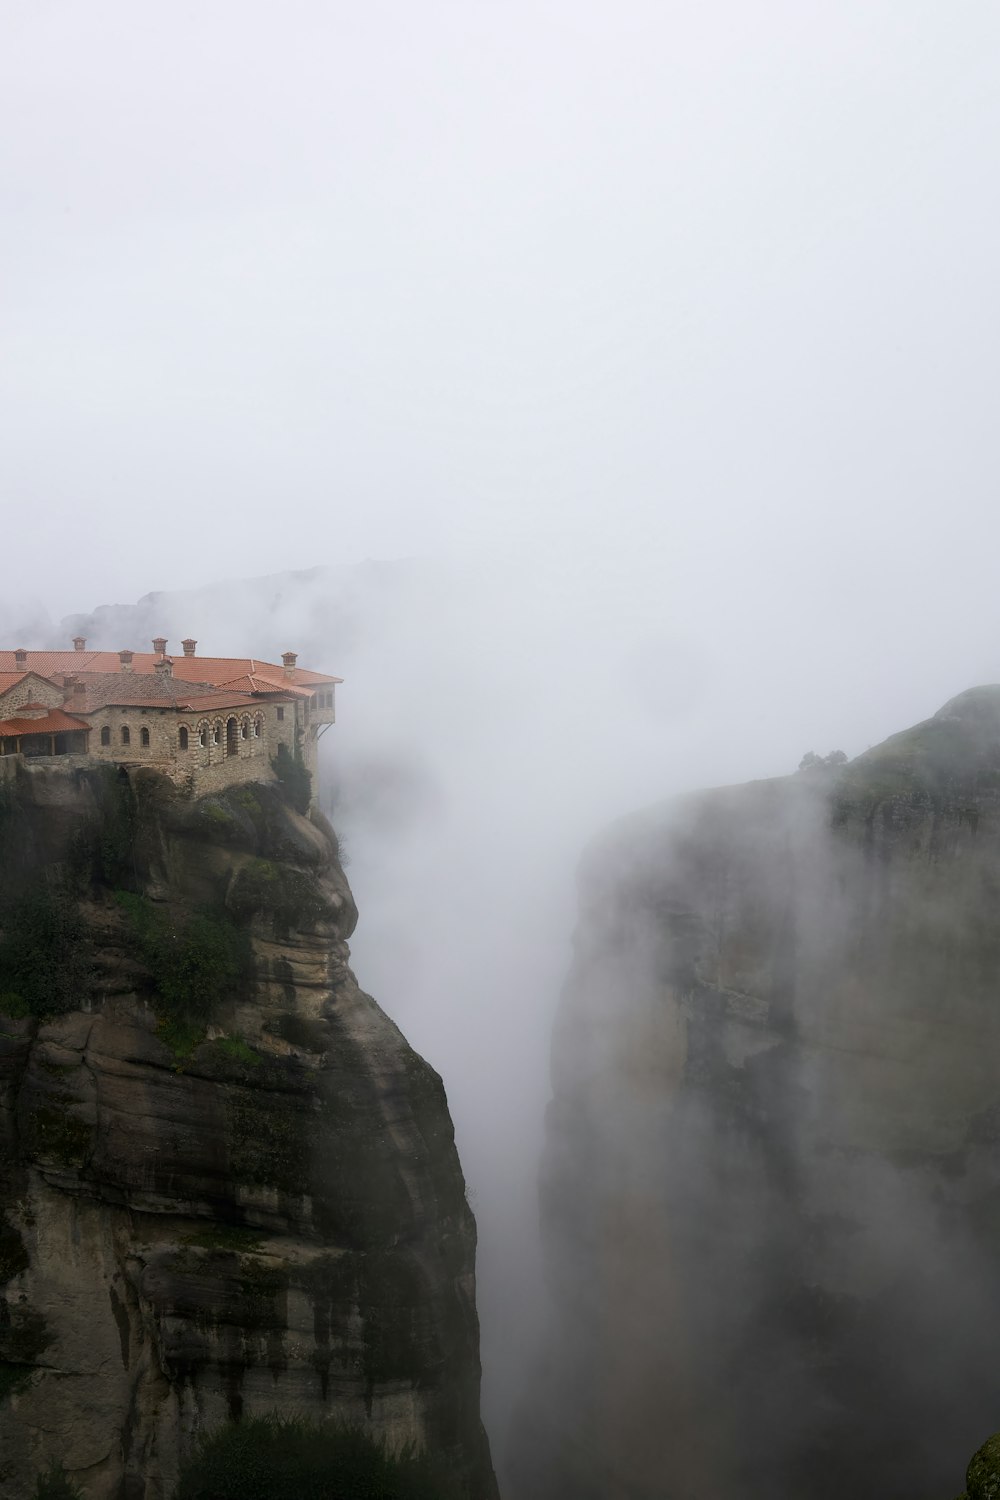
125	657
79	643
160	645
289	658
77	691
21	659
164	667
189	646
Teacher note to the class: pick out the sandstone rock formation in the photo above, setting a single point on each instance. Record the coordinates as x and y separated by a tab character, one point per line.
228	1184
771	1196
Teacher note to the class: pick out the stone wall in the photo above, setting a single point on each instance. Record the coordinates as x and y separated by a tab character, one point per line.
208	766
31	690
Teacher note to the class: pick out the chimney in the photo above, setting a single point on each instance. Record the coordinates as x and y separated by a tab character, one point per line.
125	657
289	658
164	667
79	643
21	659
160	645
79	693
189	646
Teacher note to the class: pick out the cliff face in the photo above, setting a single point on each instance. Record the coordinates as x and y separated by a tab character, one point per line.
228	1183
771	1196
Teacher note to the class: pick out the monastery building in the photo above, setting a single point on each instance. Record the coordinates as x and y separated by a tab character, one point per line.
206	721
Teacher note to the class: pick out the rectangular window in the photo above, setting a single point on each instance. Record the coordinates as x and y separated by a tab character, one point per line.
281	713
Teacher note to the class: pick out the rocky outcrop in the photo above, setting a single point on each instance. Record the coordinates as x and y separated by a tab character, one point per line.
771	1195
228	1183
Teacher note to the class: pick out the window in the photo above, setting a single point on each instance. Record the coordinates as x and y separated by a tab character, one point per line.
215	735
281	712
182	737
203	736
256	729
144	738
106	735
243	730
126	735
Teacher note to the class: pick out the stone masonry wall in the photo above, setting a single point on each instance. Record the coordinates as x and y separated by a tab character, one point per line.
32	690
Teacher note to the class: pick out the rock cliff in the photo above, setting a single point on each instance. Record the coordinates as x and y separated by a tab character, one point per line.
228	1184
771	1195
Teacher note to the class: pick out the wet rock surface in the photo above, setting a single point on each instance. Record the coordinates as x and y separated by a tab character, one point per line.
228	1184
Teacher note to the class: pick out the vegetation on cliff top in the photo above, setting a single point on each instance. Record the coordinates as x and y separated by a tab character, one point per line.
955	752
982	1478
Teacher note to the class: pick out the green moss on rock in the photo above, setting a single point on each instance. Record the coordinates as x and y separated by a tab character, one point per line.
24	1333
13	1256
982	1479
58	1135
45	961
290	898
271	1137
195	960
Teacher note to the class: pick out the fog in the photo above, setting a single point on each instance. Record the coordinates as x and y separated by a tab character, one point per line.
648	350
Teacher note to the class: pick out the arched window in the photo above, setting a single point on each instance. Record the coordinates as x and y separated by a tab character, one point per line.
256	728
215	735
243	730
126	735
144	738
231	736
203	736
106	735
182	737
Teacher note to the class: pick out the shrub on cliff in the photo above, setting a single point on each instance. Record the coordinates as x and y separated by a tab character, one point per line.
291	772
982	1479
56	1485
44	956
195	962
275	1458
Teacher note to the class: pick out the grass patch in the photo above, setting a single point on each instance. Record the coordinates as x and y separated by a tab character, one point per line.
238	1050
183	1038
194	961
234	1237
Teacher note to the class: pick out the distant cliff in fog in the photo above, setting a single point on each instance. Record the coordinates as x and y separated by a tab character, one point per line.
771	1191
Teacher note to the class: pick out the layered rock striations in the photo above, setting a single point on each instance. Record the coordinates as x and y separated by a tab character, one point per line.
228	1184
771	1194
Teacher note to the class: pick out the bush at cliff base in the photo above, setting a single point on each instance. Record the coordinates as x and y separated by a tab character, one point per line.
272	1458
982	1479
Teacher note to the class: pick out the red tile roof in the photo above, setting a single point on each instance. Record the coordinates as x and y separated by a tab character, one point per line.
255	683
210	702
55	722
215	670
133	690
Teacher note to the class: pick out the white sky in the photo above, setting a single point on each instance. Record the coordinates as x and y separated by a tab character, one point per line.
660	288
